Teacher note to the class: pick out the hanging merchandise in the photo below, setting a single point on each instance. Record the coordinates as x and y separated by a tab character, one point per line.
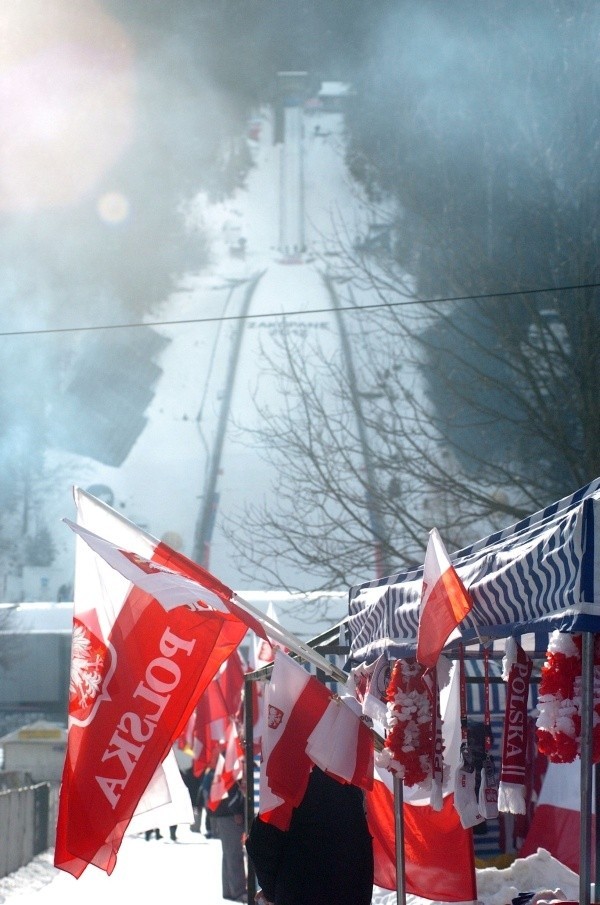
488	786
516	672
407	748
465	799
558	726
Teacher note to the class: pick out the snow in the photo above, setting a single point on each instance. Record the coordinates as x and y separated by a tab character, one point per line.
161	483
151	870
190	868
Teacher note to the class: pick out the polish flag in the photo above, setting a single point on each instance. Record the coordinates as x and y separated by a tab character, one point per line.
271	808
297	701
444	602
342	745
263	655
439	862
220	703
138	667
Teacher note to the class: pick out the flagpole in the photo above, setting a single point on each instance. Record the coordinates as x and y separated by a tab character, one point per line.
399	826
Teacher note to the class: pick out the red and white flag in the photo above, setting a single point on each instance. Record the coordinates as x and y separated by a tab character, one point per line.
297	701
218	705
137	670
556	824
439	862
271	808
341	744
263	654
444	602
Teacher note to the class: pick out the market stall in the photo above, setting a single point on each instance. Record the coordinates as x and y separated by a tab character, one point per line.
537	576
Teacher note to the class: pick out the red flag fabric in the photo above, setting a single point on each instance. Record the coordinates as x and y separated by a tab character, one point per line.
438	853
137	668
444	602
297	701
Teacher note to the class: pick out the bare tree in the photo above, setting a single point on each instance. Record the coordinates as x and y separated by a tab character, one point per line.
365	469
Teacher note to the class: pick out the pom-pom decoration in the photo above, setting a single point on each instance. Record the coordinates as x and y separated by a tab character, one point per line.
408	744
558	725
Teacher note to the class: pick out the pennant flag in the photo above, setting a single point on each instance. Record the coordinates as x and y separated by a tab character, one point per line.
264	650
169	577
137	669
439	862
271	808
297	701
444	602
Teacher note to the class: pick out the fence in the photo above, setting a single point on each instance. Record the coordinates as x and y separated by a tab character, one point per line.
27	824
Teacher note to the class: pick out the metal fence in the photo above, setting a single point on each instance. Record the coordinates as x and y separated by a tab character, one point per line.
27	824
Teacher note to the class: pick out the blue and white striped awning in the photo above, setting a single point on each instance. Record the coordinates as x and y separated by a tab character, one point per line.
540	574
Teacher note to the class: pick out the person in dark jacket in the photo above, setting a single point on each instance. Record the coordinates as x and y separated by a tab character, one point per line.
227	823
326	855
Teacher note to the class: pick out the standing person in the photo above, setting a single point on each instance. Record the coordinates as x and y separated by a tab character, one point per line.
326	855
227	824
203	796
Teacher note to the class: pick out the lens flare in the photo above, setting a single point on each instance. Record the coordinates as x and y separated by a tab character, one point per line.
66	101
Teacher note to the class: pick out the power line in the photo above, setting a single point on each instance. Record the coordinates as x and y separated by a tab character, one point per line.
298	313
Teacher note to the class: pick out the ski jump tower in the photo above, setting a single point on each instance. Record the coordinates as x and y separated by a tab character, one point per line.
292	94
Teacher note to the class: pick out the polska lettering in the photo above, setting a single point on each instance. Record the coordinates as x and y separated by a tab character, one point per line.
134	730
515	740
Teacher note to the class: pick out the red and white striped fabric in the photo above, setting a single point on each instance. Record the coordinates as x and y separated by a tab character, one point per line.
444	602
137	670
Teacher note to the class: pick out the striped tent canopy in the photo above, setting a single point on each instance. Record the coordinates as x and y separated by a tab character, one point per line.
526	580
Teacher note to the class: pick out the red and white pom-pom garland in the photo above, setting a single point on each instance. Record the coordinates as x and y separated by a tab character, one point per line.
407	747
558	725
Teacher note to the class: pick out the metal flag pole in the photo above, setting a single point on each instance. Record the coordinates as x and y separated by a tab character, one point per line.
399	825
585	838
